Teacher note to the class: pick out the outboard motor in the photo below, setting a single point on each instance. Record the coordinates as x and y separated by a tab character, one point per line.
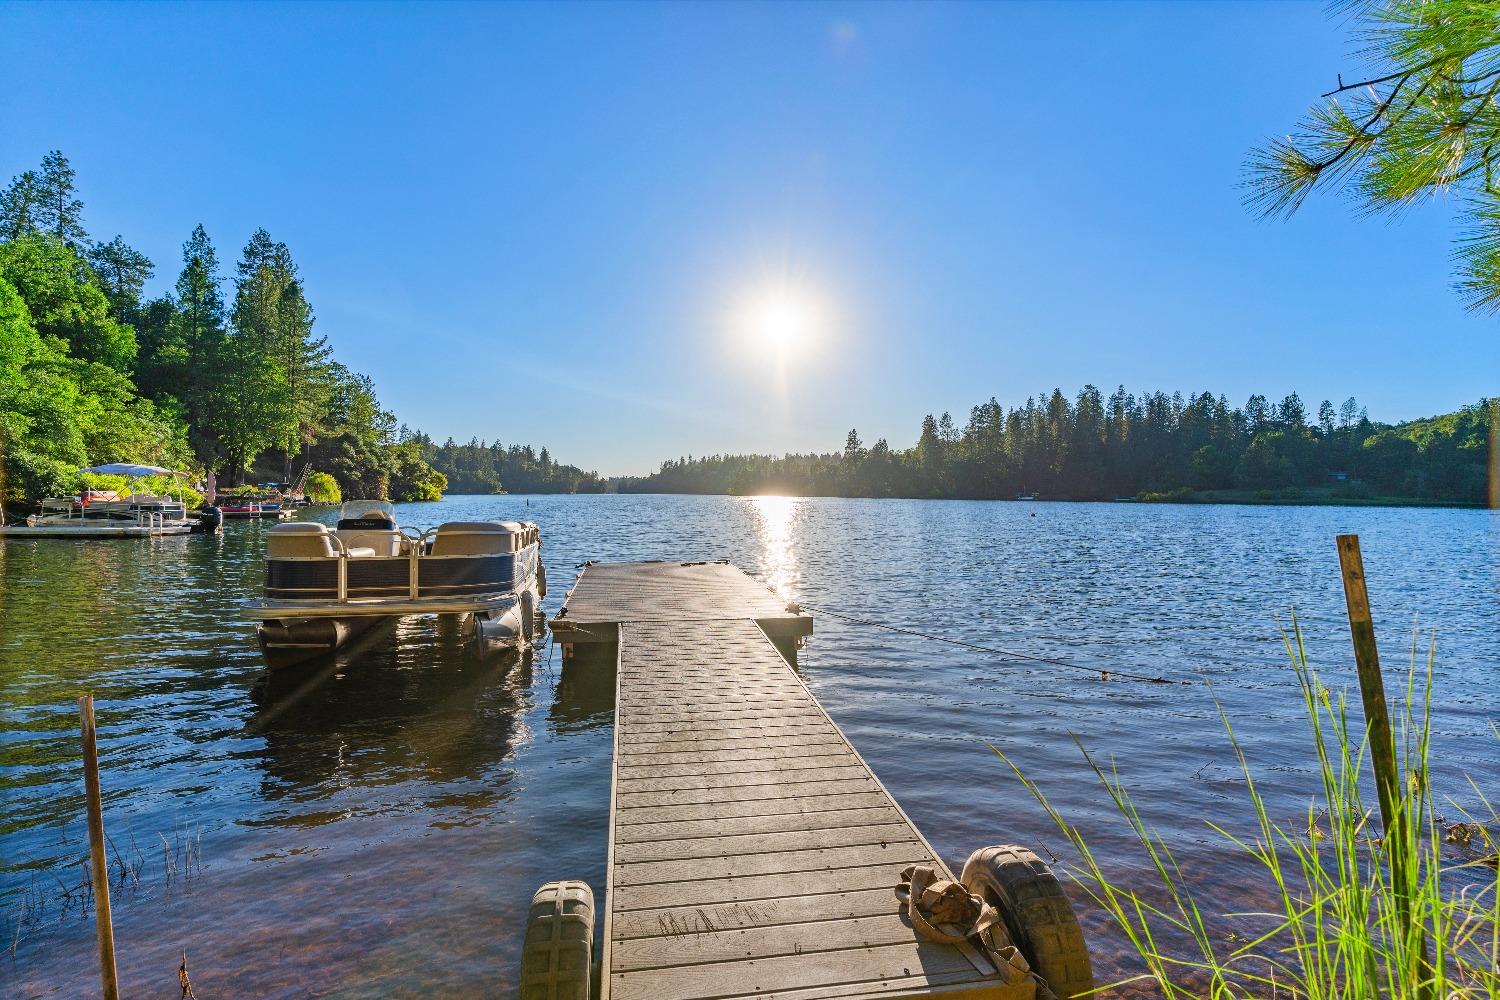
210	520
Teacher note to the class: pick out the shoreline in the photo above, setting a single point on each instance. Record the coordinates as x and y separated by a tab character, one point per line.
1247	498
1209	497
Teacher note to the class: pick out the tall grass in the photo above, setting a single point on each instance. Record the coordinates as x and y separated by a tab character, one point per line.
1343	926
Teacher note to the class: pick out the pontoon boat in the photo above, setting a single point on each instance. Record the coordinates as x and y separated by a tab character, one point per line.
325	587
93	514
272	507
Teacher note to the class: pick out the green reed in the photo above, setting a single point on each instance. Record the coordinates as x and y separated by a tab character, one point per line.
1342	927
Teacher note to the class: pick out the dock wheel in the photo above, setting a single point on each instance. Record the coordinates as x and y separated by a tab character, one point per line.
1037	913
556	956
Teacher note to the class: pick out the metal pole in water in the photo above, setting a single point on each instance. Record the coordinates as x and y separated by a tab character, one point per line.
102	920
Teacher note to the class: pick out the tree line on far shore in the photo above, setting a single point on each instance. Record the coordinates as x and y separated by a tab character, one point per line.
91	371
1151	446
478	467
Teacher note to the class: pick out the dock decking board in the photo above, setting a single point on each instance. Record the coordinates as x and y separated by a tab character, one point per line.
611	593
752	852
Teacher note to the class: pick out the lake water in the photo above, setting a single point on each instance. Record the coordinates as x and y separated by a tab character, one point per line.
375	827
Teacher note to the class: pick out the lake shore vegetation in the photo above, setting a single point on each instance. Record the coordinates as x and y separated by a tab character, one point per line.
93	371
226	372
1150	446
480	467
1353	911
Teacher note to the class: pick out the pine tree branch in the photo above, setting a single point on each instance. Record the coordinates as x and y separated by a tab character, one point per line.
1363	133
1376	81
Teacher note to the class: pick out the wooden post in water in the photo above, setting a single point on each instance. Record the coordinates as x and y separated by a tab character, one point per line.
1382	750
100	868
1371	686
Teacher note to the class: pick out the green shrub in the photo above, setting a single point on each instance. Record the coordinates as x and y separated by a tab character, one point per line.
1182	494
104	484
1354	489
413	479
323	488
170	486
29	477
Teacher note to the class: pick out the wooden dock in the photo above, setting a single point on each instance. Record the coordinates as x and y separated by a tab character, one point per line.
752	851
609	594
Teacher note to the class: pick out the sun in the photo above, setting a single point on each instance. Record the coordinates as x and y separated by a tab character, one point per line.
782	321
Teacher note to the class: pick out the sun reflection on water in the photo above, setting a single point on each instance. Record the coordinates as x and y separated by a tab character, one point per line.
775	518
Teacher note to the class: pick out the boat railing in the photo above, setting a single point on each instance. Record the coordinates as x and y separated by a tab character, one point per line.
417	543
417	546
53	510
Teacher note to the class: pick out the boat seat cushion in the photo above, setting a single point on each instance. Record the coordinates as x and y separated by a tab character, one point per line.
360	552
300	540
381	543
473	538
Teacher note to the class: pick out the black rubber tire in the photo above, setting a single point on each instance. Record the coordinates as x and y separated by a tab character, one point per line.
556	959
1037	913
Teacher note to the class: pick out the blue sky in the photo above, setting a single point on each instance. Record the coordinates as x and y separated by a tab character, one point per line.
530	222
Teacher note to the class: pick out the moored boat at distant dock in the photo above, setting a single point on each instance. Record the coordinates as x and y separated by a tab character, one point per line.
324	587
273	508
104	514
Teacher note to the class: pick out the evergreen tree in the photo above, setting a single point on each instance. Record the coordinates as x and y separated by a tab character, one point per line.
189	353
1291	413
159	368
59	209
1257	414
20	206
1325	419
123	272
932	456
272	317
200	303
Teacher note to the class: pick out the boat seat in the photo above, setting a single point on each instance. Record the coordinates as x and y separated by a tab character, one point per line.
367	542
300	540
473	538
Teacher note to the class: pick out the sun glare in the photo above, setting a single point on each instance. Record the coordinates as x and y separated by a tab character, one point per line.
782	322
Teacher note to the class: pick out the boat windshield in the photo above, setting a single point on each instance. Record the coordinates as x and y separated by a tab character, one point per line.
367	511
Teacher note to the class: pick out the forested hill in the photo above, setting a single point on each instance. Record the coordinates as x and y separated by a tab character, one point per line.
478	467
225	372
1151	445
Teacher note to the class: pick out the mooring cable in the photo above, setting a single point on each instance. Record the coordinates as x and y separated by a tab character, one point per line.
1105	673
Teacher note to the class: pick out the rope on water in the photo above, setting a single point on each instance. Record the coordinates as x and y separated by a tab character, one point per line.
1105	674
